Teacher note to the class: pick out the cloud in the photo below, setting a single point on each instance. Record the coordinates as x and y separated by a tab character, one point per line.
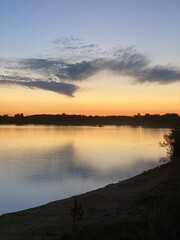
74	49
58	87
160	74
126	62
73	43
40	64
78	71
84	60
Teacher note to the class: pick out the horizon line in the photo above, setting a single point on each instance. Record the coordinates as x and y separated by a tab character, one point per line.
76	114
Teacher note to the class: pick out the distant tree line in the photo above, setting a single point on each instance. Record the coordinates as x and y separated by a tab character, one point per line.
155	120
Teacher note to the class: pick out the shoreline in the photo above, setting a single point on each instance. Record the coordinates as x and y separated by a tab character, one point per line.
122	179
129	201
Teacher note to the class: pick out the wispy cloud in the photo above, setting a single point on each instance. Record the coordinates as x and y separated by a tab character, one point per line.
75	44
77	61
127	62
58	87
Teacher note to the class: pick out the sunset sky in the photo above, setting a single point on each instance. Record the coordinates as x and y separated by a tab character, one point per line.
105	57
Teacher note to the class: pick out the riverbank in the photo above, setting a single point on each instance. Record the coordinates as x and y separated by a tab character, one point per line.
143	207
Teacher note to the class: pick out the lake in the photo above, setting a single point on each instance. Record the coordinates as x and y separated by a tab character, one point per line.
39	164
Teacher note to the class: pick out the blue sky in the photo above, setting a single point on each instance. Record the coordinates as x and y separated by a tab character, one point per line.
68	46
29	27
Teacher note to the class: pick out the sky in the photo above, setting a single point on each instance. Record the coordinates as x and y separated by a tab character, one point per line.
96	57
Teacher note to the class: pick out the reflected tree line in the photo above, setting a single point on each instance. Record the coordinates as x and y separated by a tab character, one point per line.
155	120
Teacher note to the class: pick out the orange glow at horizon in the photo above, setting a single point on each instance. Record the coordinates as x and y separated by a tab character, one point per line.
104	98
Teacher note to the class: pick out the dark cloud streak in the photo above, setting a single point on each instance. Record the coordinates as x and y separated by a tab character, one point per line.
58	87
162	75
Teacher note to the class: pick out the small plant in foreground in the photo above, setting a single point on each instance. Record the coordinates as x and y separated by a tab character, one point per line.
77	212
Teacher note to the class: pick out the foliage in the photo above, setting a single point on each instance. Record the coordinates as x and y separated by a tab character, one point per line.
172	143
147	120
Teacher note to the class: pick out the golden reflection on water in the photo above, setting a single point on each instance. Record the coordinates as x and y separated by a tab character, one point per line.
101	148
112	147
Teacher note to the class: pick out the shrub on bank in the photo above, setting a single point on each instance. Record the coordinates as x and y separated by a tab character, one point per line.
172	143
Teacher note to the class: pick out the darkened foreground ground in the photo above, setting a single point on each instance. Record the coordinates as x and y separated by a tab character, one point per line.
144	207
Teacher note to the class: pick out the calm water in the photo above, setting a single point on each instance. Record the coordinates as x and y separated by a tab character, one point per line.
39	164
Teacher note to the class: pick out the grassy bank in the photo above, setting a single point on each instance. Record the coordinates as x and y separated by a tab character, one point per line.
144	207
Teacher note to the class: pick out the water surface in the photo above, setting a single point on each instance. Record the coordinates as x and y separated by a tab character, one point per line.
39	164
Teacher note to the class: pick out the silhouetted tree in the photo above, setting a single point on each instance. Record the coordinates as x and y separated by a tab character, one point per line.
147	120
172	143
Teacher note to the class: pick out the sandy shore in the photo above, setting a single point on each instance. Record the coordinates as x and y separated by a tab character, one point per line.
125	206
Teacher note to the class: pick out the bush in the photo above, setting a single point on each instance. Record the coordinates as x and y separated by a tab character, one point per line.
172	143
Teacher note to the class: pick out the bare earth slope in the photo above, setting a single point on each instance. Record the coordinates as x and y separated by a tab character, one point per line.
126	210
